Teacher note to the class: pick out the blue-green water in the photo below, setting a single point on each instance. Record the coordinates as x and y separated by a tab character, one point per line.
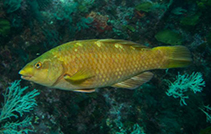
175	101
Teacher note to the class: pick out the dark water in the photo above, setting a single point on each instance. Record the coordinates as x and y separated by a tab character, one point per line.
175	101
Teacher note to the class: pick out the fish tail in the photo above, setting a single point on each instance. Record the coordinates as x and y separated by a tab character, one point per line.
175	56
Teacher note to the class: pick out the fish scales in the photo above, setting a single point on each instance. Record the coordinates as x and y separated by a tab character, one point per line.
89	64
109	63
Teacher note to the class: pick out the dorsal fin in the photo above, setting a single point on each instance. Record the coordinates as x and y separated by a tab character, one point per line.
135	81
122	42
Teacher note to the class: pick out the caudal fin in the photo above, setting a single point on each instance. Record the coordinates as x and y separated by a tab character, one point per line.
175	56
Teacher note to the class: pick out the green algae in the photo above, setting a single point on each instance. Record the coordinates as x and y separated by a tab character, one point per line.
4	27
169	37
145	6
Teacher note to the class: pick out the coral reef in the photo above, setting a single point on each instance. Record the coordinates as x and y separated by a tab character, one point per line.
29	28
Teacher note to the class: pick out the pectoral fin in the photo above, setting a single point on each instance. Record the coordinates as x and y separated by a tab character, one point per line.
135	81
79	77
85	90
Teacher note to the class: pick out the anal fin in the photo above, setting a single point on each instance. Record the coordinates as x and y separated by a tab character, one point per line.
135	81
85	90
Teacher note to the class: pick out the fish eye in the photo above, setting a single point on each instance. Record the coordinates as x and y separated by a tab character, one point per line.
38	65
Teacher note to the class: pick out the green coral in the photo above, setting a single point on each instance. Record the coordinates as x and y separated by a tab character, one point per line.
169	37
129	27
84	23
16	104
203	4
4	27
12	5
150	6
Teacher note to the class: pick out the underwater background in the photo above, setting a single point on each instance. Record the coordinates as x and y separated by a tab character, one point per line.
175	101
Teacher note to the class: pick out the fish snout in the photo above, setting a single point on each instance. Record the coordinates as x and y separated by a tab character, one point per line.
26	73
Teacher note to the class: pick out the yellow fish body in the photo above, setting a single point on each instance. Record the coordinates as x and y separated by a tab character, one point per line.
88	64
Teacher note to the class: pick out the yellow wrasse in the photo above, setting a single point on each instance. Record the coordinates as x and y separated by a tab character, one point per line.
88	64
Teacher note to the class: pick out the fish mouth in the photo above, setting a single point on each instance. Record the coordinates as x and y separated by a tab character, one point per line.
26	77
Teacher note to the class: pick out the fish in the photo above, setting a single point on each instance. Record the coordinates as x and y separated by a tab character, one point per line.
85	65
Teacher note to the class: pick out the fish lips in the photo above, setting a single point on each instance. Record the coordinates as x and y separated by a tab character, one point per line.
24	76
